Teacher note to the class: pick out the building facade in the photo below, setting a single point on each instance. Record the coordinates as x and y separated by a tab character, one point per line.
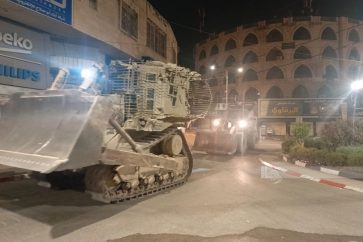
295	57
39	37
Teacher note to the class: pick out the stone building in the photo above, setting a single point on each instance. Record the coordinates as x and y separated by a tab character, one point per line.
38	37
295	57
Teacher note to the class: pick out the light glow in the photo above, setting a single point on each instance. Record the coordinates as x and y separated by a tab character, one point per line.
88	73
242	123
216	122
356	85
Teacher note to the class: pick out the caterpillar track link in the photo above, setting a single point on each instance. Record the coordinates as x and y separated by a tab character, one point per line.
143	173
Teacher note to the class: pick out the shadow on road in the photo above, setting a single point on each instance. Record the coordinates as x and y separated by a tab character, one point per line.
260	234
66	211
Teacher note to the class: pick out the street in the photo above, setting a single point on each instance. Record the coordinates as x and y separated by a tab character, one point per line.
225	196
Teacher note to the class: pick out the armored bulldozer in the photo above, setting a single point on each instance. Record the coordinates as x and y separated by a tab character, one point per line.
227	131
123	144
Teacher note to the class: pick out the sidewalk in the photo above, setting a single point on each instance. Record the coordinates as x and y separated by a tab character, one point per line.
294	171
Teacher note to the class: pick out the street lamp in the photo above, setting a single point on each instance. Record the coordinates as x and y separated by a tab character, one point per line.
355	87
239	70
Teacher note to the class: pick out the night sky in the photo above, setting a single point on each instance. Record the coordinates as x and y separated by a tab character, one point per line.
185	16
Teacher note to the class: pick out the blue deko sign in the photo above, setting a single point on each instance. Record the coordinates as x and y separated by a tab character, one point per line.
60	10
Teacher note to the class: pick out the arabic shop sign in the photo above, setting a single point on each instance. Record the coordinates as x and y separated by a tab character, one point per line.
60	10
300	107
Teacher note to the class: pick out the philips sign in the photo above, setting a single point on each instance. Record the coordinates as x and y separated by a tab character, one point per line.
23	45
19	73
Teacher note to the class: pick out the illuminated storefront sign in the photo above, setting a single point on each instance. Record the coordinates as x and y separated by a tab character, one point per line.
60	10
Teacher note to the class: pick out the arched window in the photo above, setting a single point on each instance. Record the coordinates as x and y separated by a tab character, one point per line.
274	36
275	73
252	95
274	54
231	77
202	70
300	92
324	92
303	72
275	92
302	53
250	39
229	61
250	75
329	52
233	96
213	82
328	34
354	55
214	50
354	73
230	45
330	73
250	57
354	36
202	55
217	98
302	34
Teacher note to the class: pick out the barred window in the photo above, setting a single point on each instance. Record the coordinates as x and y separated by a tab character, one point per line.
129	20
156	38
92	4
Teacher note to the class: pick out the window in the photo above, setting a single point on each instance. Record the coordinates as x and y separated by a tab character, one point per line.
354	36
231	77
202	55
354	55
354	73
250	39
202	70
151	77
252	95
129	20
274	54
324	92
300	92
302	53
302	34
92	4
250	75
328	34
213	82
156	38
274	36
274	73
330	73
230	45
303	72
233	97
250	57
150	99
230	61
214	50
329	52
275	92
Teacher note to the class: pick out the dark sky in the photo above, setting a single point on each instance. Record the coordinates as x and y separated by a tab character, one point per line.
184	17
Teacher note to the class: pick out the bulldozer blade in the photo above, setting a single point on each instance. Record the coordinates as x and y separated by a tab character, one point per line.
52	130
215	142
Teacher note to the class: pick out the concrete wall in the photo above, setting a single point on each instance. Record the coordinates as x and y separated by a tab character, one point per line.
104	24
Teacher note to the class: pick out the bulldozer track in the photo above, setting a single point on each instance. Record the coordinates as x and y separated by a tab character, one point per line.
112	195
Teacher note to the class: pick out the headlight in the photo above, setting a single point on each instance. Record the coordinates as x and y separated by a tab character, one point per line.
242	123
216	122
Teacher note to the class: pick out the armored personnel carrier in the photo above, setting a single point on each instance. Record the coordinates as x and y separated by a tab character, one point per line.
123	144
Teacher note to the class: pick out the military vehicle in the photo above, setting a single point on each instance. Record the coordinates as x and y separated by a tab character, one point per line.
227	131
121	145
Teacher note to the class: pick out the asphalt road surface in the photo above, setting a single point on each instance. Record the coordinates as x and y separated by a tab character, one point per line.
226	199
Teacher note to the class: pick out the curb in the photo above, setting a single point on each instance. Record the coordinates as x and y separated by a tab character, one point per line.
346	174
319	180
